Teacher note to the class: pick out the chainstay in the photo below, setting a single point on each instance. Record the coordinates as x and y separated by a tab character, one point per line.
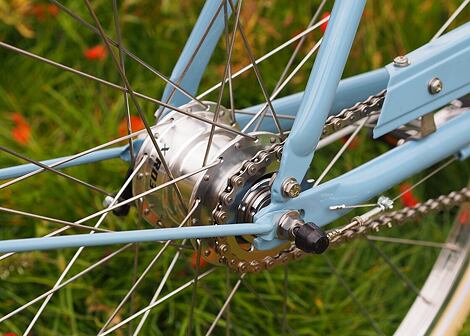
337	236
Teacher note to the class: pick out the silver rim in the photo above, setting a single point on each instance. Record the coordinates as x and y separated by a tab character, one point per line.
440	283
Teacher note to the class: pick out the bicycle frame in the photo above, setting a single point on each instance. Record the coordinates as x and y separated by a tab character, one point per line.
407	98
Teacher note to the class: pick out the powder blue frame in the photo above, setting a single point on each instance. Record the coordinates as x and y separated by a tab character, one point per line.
325	94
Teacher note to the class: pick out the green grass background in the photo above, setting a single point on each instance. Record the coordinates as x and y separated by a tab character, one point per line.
68	114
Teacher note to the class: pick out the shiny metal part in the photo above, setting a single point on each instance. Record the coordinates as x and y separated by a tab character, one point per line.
256	198
291	188
182	141
288	224
401	61
233	191
435	86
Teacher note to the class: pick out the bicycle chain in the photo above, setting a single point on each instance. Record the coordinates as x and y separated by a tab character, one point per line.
356	228
337	236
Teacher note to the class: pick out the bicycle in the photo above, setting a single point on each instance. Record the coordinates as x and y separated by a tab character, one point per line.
231	184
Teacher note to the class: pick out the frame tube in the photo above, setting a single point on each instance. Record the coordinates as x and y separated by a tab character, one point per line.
101	155
319	93
192	76
378	175
135	236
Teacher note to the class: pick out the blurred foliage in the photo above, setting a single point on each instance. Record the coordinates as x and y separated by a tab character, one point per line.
66	114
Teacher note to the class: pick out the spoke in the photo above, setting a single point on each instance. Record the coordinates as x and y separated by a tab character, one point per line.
340	152
265	305
148	192
70	158
262	111
228	314
451	19
57	232
80	250
134	273
127	112
230	88
50	219
256	70
435	171
221	92
158	291
145	272
353	296
227	302
194	291
407	281
266	56
158	302
118	87
284	301
344	132
423	243
282	82
136	104
134	279
122	49
65	283
55	171
191	59
280	116
299	45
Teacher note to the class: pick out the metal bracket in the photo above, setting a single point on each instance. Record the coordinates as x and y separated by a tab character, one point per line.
436	73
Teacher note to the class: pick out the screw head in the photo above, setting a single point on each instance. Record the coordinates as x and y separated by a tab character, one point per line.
435	86
401	61
108	200
291	188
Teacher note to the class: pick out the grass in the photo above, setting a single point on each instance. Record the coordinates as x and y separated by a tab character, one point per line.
67	114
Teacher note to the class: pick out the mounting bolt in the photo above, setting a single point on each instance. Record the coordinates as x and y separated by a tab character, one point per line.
435	86
291	188
401	61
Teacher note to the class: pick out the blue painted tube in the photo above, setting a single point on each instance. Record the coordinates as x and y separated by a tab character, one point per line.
319	93
372	178
136	236
350	91
105	154
195	71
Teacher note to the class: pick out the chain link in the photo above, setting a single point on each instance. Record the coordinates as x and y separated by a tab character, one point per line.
339	235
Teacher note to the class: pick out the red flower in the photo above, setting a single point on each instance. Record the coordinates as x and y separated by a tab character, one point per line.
42	11
408	198
324	24
463	217
136	125
21	133
98	53
10	334
202	262
53	10
38	11
353	145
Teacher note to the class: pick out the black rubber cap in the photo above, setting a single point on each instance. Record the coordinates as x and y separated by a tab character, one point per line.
123	210
311	239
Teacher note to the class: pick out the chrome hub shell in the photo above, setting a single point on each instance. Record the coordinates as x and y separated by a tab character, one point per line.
183	142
